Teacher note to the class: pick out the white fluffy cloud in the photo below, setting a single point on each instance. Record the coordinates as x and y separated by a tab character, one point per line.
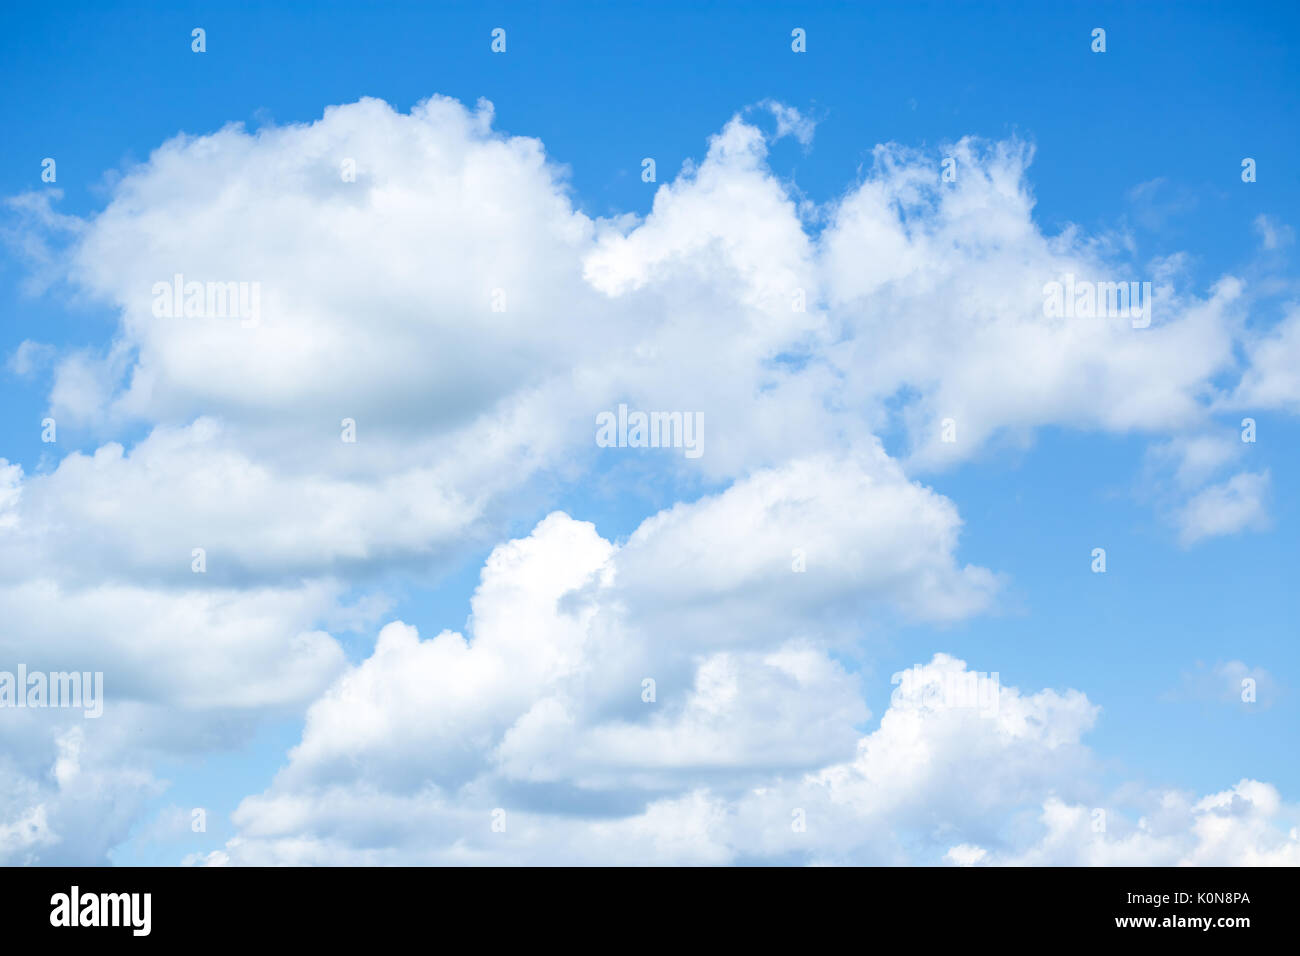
539	720
939	288
917	301
565	627
1239	826
138	515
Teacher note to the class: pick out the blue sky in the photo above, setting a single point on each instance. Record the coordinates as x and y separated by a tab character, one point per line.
1139	149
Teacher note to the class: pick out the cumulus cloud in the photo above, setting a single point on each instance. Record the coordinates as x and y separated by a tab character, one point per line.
378	298
73	806
933	783
566	627
941	292
743	757
1244	825
456	306
192	486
